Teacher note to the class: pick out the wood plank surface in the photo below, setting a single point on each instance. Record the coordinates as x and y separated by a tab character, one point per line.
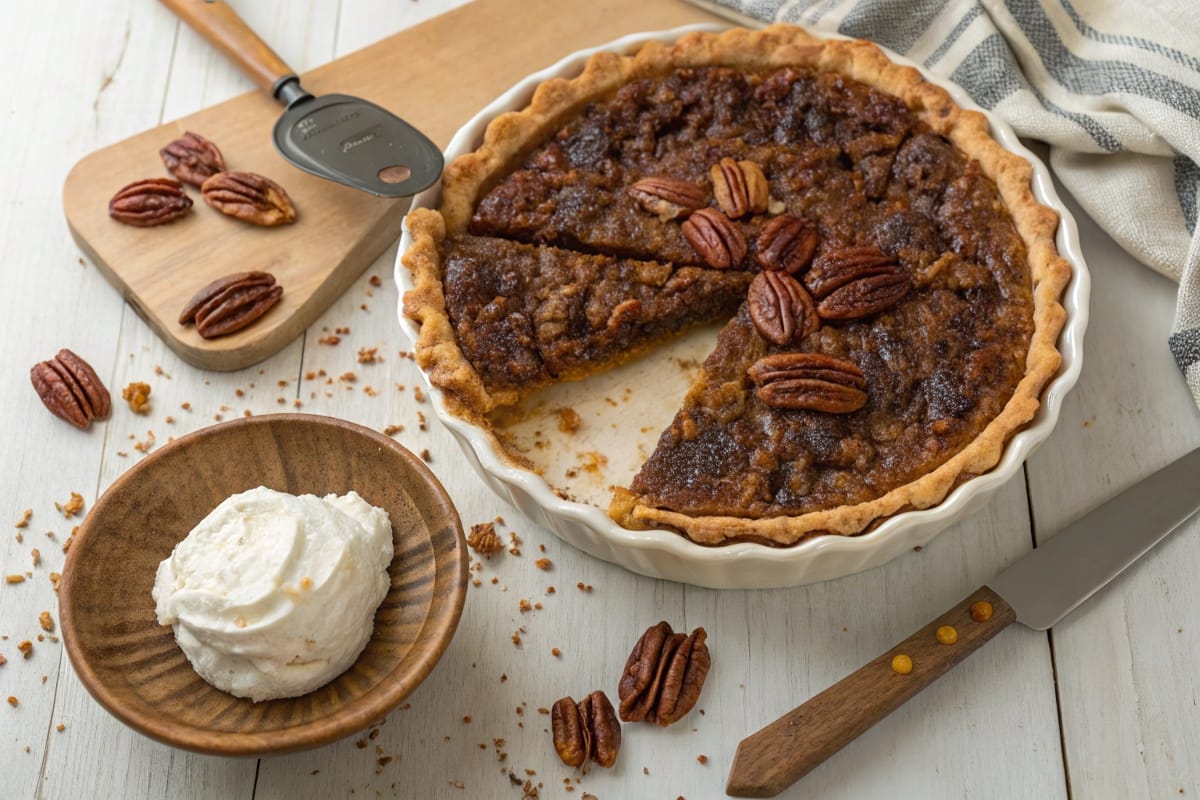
81	76
1126	661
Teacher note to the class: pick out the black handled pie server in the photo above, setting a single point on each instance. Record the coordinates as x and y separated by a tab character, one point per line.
335	136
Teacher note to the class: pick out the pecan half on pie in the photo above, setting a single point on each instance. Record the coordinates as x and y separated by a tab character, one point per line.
890	284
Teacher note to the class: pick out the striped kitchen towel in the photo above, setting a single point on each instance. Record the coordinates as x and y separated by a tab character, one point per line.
1112	87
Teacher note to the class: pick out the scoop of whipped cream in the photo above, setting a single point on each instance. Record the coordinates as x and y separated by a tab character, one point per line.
273	595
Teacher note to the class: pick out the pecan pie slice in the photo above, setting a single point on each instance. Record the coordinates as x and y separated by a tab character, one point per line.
525	316
585	186
891	284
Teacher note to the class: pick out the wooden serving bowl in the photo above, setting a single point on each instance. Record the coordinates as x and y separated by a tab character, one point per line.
133	667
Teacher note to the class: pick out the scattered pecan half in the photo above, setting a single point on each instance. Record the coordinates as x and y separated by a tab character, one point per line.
70	388
787	243
715	238
663	675
231	303
586	731
669	198
571	740
809	381
192	159
149	202
740	187
249	197
780	307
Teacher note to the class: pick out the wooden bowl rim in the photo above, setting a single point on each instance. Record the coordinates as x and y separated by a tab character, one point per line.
344	720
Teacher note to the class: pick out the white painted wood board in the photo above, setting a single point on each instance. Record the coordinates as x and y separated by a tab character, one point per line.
83	75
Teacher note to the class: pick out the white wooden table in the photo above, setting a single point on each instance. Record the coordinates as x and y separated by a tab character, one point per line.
1105	706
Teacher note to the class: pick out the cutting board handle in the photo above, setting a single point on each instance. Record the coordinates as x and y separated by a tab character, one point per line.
770	760
225	30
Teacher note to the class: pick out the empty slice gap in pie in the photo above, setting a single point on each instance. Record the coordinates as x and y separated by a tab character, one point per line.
889	285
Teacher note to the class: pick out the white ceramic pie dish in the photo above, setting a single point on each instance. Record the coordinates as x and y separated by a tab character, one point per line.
665	554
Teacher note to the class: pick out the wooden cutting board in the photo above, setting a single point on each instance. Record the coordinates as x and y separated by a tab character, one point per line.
435	75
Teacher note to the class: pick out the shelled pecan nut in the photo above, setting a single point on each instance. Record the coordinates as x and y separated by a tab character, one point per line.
809	381
781	308
669	198
586	731
149	202
740	187
787	243
192	159
231	303
663	675
865	296
568	732
715	238
597	715
249	197
70	389
840	266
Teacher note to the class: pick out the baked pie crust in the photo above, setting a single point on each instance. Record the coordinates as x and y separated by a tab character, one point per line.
512	137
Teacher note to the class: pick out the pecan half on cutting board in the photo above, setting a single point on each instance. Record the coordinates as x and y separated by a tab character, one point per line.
192	159
70	388
249	197
663	675
231	303
586	731
149	202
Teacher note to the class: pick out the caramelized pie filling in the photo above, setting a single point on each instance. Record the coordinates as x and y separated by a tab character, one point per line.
563	271
527	315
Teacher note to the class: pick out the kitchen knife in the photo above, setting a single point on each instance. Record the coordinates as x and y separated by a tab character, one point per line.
335	136
1038	590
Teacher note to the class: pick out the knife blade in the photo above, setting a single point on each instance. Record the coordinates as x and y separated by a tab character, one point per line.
1037	590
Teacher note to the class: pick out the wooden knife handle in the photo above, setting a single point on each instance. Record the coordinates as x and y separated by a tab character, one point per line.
225	30
777	756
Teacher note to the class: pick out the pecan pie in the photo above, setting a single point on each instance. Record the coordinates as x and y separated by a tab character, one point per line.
890	284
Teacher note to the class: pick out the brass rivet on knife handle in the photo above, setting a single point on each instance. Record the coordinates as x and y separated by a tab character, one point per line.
769	761
225	30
